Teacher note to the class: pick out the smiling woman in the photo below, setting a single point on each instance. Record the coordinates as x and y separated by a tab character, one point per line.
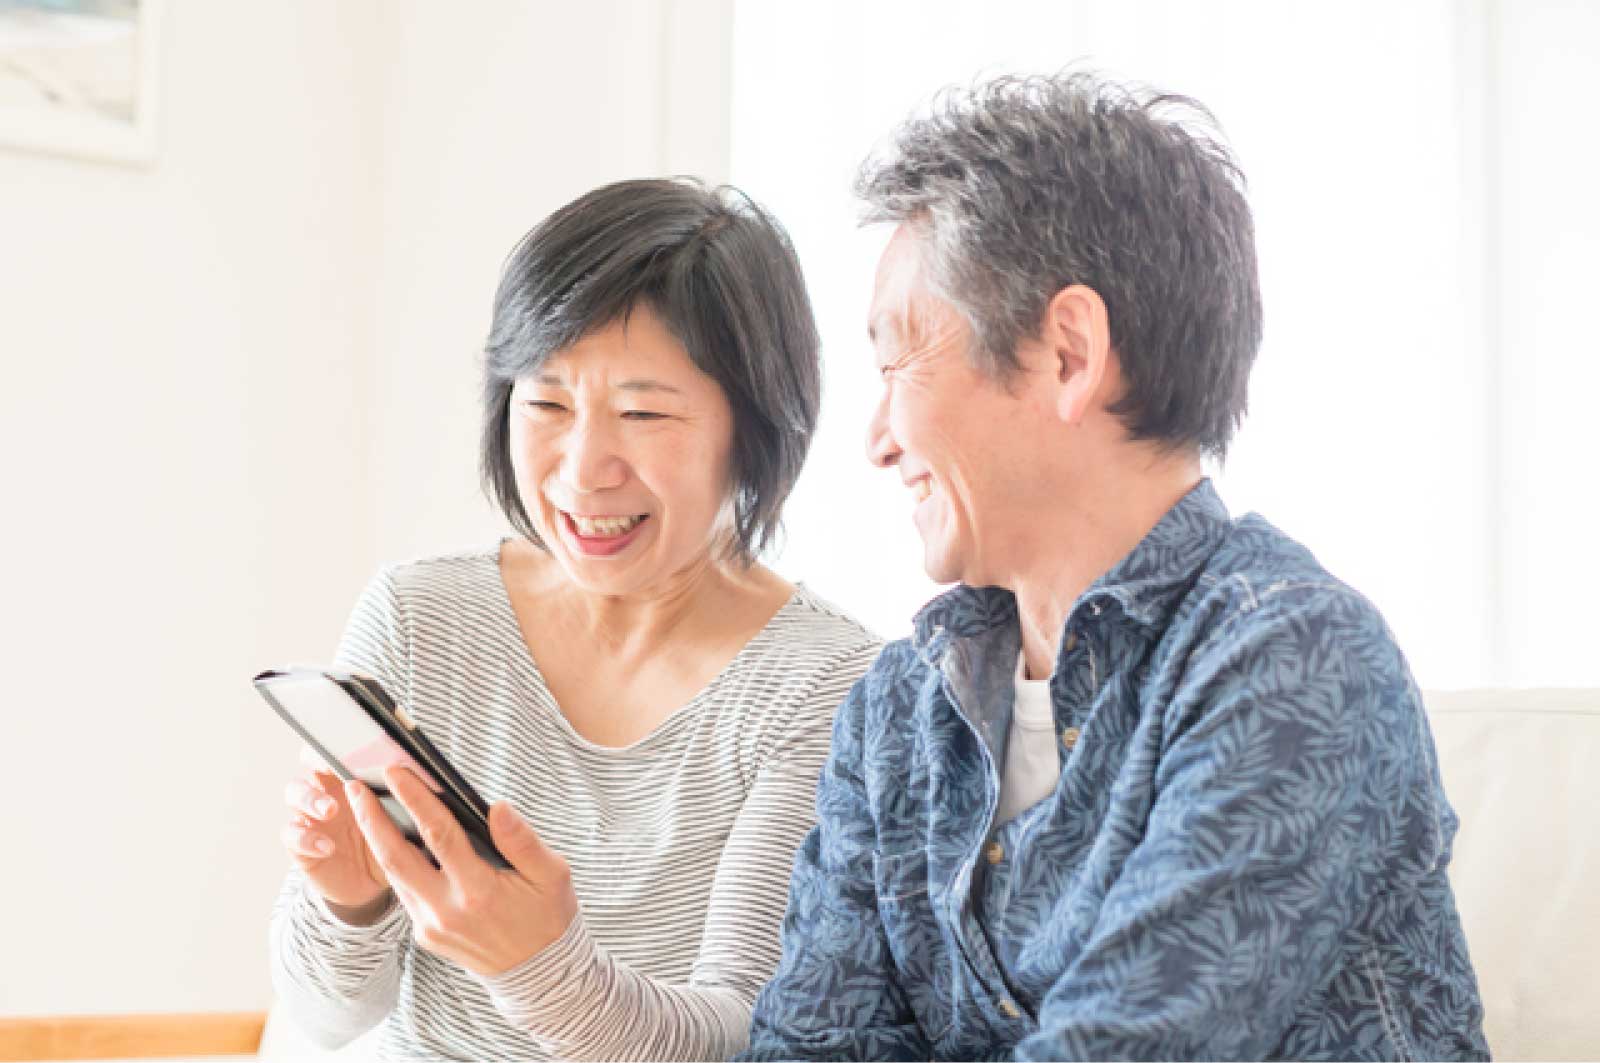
649	703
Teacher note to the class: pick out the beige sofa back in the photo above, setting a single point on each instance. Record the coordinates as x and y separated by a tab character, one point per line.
1522	768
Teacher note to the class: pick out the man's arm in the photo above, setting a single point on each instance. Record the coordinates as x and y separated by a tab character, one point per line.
835	995
1298	786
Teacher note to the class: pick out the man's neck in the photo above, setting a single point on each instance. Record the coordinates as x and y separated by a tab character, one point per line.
1091	530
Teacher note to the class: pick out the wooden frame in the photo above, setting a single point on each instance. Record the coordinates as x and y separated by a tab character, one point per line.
65	125
131	1036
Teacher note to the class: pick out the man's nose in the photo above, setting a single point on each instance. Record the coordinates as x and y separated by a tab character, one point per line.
590	459
882	450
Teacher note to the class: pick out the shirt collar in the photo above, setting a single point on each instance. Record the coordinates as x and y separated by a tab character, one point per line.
1146	584
1156	574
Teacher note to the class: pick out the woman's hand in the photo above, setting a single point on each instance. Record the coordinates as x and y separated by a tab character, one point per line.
482	918
323	839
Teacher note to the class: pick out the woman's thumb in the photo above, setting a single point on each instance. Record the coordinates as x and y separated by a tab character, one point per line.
517	841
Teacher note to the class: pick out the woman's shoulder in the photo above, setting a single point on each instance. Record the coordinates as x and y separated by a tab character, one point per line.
809	621
811	644
415	584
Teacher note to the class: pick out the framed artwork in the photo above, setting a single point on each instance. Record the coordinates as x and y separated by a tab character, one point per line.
80	78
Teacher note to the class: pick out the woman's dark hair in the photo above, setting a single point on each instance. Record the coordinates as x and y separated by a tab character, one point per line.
720	273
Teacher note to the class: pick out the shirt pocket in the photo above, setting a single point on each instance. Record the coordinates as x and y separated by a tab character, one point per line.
907	908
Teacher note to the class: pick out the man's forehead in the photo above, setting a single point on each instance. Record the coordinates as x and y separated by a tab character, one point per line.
896	286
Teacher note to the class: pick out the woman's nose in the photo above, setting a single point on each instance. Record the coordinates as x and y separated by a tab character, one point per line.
590	460
882	450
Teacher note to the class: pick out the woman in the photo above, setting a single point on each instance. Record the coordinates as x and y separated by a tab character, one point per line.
651	704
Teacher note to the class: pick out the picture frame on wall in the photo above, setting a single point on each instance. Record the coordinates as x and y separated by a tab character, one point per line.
81	78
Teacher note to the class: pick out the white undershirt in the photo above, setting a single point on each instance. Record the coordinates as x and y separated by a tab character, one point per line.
1033	764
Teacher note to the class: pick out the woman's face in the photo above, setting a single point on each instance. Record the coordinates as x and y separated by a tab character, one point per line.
621	448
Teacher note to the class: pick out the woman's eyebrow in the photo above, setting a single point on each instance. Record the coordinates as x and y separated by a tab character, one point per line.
554	380
648	385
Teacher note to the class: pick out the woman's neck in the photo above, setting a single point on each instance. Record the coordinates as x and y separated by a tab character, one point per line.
692	605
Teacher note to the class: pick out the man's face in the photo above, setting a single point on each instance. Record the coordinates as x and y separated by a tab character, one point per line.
958	439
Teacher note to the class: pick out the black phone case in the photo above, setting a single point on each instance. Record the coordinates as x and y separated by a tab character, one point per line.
469	809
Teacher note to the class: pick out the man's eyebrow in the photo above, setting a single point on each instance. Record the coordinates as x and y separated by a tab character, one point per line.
884	320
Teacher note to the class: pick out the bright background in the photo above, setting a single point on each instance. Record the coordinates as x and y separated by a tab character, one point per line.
242	378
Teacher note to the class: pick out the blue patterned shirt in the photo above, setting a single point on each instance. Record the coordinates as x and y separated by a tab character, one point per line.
1244	857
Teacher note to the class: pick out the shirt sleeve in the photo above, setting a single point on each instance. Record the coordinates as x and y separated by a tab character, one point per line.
835	994
1297	790
580	1003
336	980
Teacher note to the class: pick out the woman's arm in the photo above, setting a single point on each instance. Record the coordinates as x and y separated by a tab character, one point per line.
336	979
581	1003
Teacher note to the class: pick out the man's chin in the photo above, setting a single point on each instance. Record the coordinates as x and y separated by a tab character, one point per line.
940	565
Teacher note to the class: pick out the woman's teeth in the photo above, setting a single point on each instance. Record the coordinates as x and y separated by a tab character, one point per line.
603	527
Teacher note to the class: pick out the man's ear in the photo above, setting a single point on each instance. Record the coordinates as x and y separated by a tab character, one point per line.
1077	339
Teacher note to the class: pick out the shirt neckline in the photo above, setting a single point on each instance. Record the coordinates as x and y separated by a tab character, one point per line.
547	699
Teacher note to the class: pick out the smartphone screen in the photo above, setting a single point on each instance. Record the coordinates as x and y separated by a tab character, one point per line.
341	731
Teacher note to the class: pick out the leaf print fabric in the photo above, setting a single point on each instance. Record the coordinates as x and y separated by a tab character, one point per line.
1245	856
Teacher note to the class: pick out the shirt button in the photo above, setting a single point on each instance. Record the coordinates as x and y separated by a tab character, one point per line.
1072	642
1069	737
995	853
1011	1010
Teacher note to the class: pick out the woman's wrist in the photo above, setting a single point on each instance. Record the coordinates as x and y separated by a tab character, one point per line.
362	914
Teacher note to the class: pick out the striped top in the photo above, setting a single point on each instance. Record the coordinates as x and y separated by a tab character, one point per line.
680	844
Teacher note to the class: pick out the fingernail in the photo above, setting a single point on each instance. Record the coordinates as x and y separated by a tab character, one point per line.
323	805
323	847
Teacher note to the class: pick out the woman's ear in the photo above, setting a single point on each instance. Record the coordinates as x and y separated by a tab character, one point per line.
1076	336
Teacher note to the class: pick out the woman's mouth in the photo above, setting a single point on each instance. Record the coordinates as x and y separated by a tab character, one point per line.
601	536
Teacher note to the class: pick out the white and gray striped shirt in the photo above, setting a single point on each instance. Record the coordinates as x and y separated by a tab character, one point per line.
680	844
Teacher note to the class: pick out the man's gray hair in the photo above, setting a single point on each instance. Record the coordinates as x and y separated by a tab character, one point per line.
1022	186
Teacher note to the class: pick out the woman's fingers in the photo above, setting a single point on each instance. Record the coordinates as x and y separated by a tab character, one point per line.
304	842
309	799
440	832
402	863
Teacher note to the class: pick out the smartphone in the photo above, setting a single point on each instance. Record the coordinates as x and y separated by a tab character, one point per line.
356	726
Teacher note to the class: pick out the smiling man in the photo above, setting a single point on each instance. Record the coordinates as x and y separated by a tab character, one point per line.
1149	782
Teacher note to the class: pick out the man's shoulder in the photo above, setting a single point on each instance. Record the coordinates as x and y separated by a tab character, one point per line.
1264	612
1258	574
889	690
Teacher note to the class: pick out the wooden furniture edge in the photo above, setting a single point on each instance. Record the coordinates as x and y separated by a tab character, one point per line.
131	1036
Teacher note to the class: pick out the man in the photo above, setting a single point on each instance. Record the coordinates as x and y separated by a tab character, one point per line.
1149	783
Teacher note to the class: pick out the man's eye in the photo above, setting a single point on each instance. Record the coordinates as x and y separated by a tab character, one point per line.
543	406
643	415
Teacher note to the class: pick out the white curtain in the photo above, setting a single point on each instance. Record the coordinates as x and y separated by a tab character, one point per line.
1422	175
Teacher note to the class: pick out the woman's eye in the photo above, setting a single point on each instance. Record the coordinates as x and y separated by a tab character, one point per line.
543	406
643	415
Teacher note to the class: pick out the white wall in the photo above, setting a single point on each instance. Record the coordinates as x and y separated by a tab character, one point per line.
1547	244
239	380
185	504
489	124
